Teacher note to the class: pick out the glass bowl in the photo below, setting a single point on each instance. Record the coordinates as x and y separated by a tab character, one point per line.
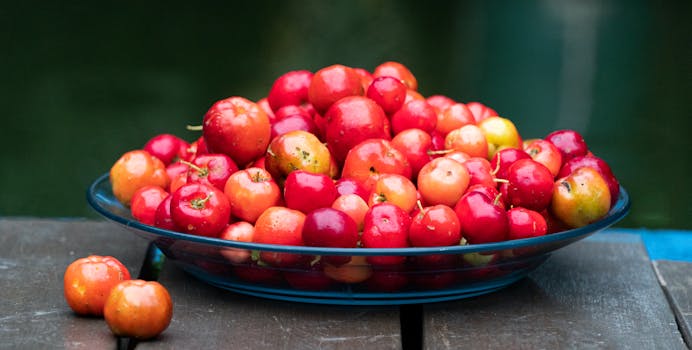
421	275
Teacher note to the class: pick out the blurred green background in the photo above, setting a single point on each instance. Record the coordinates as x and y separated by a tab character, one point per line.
83	82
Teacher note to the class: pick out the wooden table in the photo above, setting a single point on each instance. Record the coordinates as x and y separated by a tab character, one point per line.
602	292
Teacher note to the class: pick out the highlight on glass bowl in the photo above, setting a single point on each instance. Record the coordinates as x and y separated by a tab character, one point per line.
348	186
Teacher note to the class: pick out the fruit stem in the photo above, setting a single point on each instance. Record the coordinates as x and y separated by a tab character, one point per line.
194	127
496	201
496	179
497	167
202	172
442	151
199	203
420	205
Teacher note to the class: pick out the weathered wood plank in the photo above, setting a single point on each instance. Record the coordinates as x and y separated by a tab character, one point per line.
676	279
209	317
33	257
599	293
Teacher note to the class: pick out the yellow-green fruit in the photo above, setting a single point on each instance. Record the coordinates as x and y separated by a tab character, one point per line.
580	198
500	133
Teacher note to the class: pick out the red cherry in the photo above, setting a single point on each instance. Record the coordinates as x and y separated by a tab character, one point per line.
214	169
525	223
415	114
388	92
305	191
530	185
386	226
200	209
166	147
482	219
328	227
435	226
503	159
570	143
331	84
289	89
352	120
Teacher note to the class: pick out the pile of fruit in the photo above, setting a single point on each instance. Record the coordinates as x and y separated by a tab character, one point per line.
344	157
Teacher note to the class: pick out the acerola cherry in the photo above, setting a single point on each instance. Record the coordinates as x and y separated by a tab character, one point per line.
480	172
396	70
600	165
503	159
306	191
328	227
388	92
166	147
293	122
386	226
395	189
439	102
483	219
290	88
352	120
145	202
416	145
443	181
525	223
480	111
370	158
530	185
346	185
200	209
250	192
213	169
415	114
331	84
545	153
468	139
237	127
454	117
280	225
570	143
435	226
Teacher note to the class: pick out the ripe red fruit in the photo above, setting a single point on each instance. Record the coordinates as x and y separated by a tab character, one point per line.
435	226
305	191
388	92
370	158
352	120
200	209
238	128
525	223
415	145
503	159
386	226
213	169
162	217
530	185
332	83
415	114
293	122
166	147
328	227
480	111
289	89
483	219
145	202
396	70
570	143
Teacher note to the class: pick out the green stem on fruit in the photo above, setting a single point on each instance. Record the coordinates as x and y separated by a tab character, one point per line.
315	260
420	205
505	181
202	172
194	127
199	203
